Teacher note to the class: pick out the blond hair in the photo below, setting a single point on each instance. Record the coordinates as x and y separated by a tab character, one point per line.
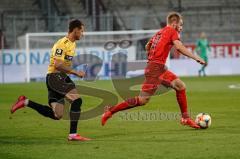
173	16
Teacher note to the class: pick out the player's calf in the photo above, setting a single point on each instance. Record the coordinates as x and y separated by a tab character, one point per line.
180	89
127	104
58	110
41	109
75	115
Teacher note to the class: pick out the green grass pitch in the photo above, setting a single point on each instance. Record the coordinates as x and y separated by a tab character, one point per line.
26	134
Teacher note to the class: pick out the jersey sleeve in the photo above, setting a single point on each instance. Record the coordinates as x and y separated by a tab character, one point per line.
59	51
175	35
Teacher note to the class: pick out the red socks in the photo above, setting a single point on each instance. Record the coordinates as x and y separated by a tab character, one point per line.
129	103
182	102
133	102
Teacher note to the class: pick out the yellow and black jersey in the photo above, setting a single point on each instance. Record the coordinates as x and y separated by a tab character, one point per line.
64	50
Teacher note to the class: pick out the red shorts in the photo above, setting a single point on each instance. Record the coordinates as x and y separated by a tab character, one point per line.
155	75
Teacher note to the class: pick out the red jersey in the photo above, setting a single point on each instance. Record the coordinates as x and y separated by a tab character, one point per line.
161	44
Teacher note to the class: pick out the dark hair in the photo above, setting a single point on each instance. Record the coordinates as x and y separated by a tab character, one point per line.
74	24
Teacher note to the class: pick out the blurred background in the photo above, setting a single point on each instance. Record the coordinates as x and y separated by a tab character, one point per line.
219	19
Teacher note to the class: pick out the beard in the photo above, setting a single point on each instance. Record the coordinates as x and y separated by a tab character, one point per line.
77	37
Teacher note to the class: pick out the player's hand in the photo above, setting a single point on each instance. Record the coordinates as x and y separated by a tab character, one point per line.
200	60
80	74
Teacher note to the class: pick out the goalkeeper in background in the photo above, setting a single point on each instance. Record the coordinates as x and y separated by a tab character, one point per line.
59	84
202	48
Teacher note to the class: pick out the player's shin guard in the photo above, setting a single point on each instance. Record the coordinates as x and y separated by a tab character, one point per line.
41	109
75	115
127	104
182	102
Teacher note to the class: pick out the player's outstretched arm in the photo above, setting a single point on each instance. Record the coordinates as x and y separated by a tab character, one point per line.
61	67
183	50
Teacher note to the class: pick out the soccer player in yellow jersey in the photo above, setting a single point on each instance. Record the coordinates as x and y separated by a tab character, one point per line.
59	84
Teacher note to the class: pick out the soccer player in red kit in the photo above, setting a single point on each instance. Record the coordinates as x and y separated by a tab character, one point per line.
158	49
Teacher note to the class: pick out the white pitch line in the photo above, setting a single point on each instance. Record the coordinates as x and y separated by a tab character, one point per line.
234	86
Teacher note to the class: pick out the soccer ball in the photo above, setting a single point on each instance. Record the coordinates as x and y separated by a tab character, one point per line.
203	120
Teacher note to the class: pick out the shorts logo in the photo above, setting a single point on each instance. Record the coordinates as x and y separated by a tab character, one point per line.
68	58
58	52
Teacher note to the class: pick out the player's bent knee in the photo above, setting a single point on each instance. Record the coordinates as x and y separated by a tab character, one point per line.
182	86
58	110
76	105
58	116
58	113
179	85
73	97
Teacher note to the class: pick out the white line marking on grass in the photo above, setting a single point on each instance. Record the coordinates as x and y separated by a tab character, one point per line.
234	86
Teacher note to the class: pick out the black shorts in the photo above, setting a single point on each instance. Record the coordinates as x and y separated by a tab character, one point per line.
58	85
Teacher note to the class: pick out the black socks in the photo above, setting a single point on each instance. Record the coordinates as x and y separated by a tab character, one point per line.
41	109
46	111
75	115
